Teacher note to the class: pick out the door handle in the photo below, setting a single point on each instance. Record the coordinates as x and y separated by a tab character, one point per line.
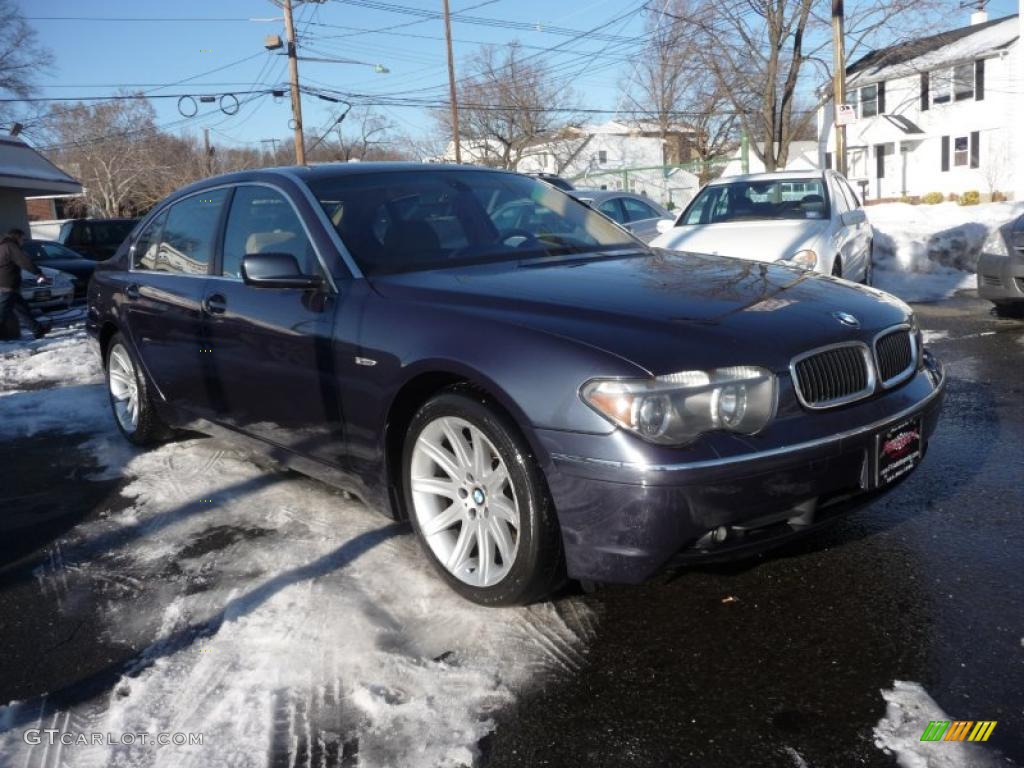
132	291
215	304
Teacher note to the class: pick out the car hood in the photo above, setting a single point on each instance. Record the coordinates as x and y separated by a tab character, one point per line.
663	311
757	240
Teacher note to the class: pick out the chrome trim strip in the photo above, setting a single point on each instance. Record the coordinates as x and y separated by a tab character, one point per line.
325	222
724	462
907	372
869	365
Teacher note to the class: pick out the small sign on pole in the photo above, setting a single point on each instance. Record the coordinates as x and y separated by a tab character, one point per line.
846	114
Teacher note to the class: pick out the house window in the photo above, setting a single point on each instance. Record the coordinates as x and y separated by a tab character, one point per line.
941	84
956	83
602	157
869	101
961	150
963	81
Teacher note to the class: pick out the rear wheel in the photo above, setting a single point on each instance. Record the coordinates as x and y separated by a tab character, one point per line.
1010	309
134	413
479	503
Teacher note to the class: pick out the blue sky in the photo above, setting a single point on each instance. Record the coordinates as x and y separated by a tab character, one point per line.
95	57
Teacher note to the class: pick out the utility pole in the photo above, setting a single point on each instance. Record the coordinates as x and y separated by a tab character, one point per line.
207	152
293	71
838	82
451	82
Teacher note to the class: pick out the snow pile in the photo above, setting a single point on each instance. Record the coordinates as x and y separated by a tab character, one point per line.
283	620
908	711
928	252
64	357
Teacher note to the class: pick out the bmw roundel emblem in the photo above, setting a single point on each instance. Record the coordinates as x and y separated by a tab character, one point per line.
847	319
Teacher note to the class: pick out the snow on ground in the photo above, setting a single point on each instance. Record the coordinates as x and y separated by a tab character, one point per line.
280	618
908	710
928	252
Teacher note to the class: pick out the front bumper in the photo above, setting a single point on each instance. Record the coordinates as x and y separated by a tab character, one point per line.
622	521
1001	278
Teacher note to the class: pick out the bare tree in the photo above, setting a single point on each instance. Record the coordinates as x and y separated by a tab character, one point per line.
757	52
362	134
505	107
110	148
22	56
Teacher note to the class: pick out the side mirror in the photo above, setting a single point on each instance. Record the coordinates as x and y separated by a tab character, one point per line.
853	218
664	225
276	270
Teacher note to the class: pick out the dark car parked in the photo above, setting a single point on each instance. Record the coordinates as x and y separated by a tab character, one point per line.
550	400
47	253
97	239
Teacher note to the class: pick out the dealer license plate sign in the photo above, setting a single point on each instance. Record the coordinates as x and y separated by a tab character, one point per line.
899	450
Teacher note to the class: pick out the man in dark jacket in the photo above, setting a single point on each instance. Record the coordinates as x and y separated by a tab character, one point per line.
12	261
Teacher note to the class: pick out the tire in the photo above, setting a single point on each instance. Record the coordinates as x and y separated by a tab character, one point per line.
837	267
1010	309
449	506
125	381
869	270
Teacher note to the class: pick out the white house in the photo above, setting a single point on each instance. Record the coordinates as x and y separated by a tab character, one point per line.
802	156
621	155
935	114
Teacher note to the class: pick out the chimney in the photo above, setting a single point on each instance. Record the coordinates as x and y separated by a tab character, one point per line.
979	17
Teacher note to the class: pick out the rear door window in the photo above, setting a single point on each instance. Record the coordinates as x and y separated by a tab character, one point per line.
613	210
144	252
637	210
262	220
187	243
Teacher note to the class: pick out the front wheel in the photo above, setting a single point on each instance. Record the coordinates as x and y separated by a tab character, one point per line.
478	502
134	413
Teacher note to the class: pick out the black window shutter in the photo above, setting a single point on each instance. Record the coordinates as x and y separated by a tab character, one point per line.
924	91
979	79
881	97
828	160
975	149
880	161
945	153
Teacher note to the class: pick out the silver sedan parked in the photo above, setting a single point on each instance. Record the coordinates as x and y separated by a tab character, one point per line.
812	219
1001	268
637	214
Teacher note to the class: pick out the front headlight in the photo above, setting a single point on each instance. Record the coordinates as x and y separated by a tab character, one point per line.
677	408
995	243
805	258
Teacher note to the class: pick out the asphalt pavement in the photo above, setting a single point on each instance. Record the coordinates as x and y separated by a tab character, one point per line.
781	661
776	661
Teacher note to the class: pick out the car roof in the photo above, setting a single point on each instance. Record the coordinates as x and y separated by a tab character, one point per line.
813	173
317	171
604	194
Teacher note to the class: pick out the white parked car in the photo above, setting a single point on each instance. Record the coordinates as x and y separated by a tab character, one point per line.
812	219
57	292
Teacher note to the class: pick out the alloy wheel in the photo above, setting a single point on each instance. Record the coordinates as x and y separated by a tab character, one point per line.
124	388
464	501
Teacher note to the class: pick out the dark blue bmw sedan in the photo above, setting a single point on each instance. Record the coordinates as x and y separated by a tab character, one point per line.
538	393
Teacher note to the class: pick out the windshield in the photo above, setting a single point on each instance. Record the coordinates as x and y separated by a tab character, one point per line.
758	201
401	221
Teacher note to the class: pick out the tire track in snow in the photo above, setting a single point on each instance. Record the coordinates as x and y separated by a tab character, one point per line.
319	637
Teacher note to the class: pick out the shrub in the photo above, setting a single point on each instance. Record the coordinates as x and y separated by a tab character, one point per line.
932	198
670	206
906	199
998	197
970	197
